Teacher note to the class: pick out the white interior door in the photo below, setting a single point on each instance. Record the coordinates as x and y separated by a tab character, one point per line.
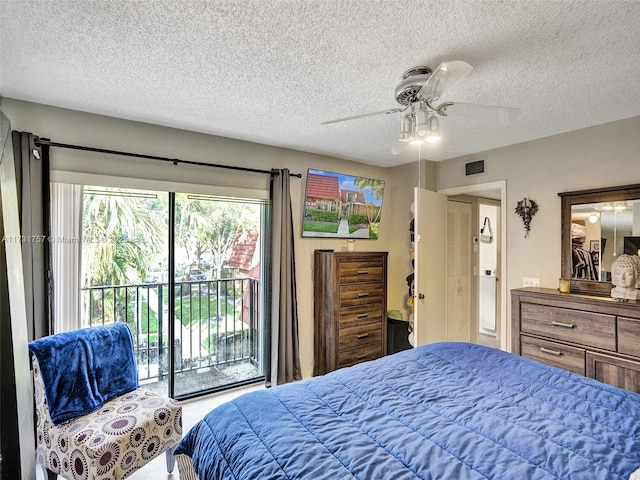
430	281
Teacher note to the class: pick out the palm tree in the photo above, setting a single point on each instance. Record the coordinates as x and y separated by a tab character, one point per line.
120	235
377	188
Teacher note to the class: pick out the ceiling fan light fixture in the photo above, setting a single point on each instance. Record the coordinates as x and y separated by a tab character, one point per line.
418	94
433	133
422	122
406	129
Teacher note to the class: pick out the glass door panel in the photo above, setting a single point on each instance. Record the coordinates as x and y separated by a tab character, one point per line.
218	257
215	328
124	271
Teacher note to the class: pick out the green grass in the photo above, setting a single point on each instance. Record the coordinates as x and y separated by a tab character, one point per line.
148	319
195	308
326	227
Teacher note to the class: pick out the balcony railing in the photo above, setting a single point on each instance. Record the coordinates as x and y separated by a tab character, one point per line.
215	324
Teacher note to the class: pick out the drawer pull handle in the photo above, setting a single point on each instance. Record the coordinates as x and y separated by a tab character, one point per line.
363	294
563	325
363	272
361	356
363	315
360	336
550	352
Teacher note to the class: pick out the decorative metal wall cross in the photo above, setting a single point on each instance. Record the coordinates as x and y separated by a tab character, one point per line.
526	209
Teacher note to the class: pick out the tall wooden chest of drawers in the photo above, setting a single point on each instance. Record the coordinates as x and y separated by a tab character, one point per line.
350	305
593	336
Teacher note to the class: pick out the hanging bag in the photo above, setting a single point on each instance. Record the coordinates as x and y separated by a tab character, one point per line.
486	234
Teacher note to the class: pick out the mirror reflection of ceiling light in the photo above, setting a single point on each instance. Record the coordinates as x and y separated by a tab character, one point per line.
610	207
593	218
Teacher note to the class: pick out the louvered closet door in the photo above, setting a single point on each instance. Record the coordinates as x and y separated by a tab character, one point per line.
458	271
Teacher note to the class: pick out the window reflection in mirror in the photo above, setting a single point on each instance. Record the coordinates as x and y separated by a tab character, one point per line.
600	232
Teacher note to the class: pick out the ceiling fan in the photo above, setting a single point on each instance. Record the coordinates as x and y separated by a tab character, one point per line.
418	93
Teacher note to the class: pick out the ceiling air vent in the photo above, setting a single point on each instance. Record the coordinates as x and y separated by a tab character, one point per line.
474	168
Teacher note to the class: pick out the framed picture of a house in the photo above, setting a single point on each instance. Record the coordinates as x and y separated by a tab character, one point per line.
341	206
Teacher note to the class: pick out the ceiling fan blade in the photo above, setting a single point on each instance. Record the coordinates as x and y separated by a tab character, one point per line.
387	111
484	112
443	78
399	148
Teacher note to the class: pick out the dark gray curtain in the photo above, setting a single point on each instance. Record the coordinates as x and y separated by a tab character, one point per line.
32	176
32	185
283	362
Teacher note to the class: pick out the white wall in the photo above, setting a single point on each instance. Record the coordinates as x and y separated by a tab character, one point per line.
605	155
595	157
66	126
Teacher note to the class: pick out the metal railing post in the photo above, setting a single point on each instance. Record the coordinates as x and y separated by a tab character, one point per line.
230	307
160	330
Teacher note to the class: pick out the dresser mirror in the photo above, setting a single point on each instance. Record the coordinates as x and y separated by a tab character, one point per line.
598	225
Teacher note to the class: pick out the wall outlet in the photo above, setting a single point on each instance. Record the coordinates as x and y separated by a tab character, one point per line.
530	282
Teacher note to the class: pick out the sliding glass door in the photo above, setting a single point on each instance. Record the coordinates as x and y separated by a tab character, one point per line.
218	256
196	300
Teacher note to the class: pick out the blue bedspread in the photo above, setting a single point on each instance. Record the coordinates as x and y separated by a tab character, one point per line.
83	369
444	411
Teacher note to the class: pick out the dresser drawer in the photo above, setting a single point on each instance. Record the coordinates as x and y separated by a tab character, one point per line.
629	336
551	353
359	354
586	328
619	372
358	315
359	272
360	335
360	294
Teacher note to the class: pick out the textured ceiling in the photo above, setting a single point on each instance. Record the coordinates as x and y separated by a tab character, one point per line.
272	71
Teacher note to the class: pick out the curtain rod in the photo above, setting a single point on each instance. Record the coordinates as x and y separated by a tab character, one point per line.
175	161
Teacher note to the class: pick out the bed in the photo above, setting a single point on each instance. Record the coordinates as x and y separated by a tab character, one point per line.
440	411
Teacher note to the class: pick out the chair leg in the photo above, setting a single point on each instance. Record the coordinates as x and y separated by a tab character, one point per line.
50	475
171	460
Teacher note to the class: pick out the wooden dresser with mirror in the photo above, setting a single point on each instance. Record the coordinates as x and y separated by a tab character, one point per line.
586	331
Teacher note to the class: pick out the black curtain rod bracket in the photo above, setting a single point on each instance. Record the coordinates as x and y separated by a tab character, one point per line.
45	141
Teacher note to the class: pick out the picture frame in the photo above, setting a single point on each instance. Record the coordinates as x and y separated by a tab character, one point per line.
594	246
338	205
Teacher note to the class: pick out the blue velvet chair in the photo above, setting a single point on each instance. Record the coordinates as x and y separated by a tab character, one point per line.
92	420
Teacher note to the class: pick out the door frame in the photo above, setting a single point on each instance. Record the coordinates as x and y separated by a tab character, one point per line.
477	189
170	188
